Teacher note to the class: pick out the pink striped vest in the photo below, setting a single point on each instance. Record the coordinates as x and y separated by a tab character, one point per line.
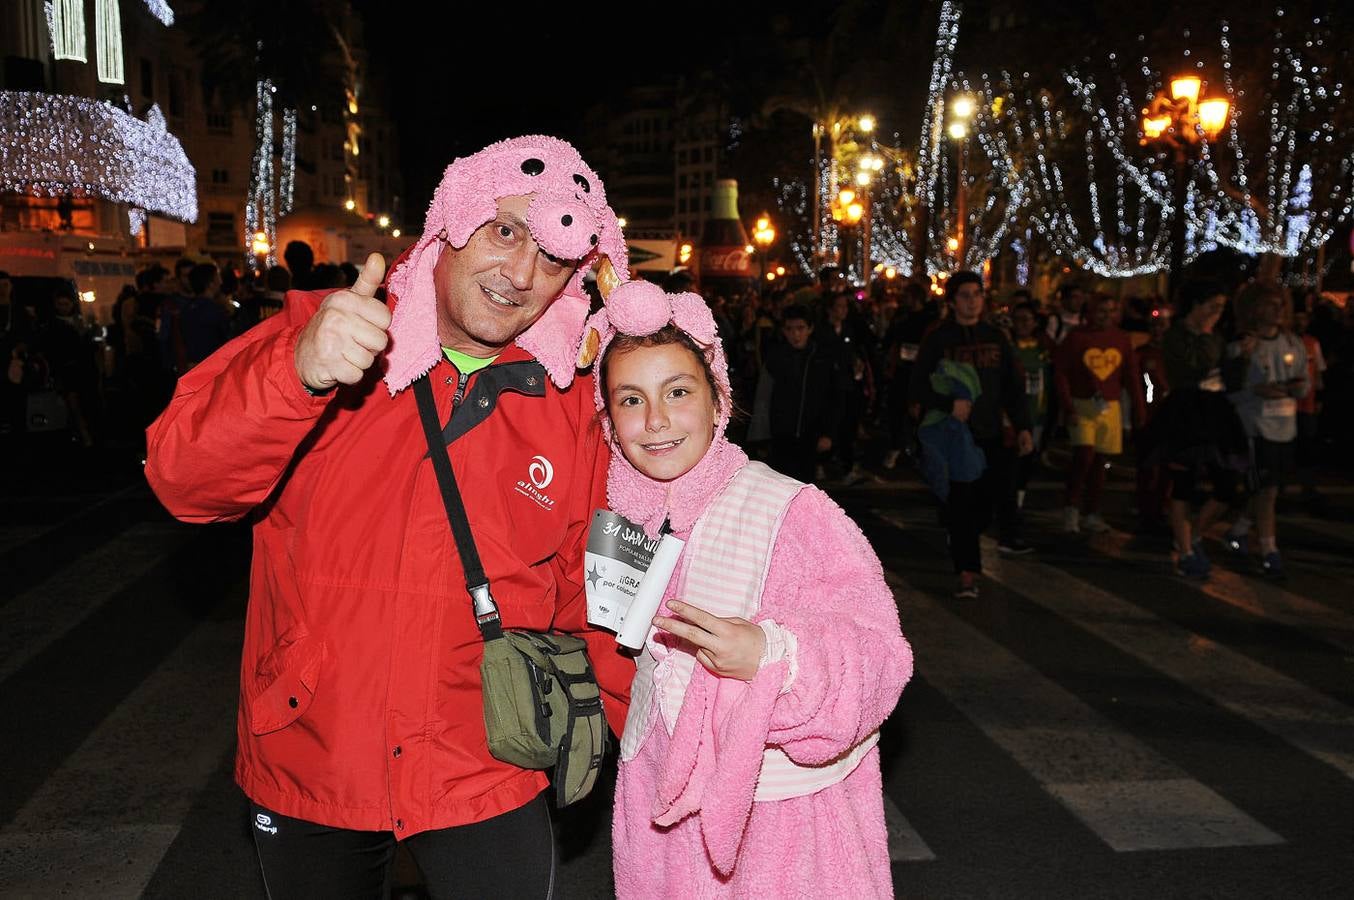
723	570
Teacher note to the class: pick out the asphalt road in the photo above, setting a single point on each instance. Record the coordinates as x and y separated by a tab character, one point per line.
1091	726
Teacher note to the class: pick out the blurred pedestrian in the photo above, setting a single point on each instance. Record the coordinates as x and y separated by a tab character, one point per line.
203	321
803	400
1153	482
1309	410
1092	368
968	509
1273	361
1035	352
1200	434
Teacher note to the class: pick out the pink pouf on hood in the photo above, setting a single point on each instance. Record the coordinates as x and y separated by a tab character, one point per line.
568	216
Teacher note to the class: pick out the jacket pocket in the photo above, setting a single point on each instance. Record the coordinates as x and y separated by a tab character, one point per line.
285	680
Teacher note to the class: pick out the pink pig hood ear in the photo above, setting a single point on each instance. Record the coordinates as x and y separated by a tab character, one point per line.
568	216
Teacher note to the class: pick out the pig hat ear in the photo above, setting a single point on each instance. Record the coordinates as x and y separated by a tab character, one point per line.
568	217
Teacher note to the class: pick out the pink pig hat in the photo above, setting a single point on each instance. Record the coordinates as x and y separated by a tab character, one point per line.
568	216
639	308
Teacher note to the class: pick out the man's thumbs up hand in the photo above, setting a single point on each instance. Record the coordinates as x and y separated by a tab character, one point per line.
343	338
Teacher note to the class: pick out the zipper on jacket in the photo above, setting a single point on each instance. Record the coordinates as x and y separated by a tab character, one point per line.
462	378
803	393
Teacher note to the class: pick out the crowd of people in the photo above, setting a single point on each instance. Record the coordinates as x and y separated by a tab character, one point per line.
1237	392
66	374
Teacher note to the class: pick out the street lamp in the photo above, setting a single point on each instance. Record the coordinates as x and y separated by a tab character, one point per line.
1181	122
833	130
962	108
764	235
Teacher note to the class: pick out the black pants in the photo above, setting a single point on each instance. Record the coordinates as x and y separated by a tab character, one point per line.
795	456
512	855
968	511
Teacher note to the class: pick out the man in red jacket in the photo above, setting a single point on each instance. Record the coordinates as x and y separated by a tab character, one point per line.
360	719
1093	367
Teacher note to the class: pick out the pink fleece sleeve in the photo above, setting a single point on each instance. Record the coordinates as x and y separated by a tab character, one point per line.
826	587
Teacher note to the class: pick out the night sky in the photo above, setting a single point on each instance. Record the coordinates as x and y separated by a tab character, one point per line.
459	82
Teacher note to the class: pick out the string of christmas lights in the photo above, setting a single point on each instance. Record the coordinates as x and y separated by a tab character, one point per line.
1139	241
66	25
160	10
53	145
990	176
1306	156
261	211
287	188
108	39
947	37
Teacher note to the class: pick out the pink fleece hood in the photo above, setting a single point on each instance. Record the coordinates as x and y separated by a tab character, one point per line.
639	308
568	216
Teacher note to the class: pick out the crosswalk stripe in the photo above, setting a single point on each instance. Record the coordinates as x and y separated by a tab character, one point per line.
12	536
1307	719
1260	598
101	823
1340	530
45	612
905	845
1115	785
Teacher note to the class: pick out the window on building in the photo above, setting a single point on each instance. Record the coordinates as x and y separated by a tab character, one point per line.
221	229
176	92
218	123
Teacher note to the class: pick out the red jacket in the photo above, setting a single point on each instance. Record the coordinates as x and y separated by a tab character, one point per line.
360	698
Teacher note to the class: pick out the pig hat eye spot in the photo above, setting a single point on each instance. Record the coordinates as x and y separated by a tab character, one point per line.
533	166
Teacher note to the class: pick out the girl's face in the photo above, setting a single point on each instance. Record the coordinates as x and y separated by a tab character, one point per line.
662	411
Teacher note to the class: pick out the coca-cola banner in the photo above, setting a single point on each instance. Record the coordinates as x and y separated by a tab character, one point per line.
725	262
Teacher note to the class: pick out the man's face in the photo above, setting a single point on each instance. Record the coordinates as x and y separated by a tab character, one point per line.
1104	314
497	285
841	305
797	333
1300	318
1268	312
968	303
1023	322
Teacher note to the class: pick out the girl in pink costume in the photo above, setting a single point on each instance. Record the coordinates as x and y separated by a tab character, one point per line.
749	762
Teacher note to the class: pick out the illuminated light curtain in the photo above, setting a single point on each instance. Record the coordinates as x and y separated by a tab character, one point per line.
108	40
66	19
52	145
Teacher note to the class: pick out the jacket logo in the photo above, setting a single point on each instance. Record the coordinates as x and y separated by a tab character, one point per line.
265	824
541	472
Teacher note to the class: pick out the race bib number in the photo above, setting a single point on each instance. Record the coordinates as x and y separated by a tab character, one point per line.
1212	383
1034	383
1280	408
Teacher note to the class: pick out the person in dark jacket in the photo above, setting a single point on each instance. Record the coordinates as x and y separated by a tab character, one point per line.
805	401
965	338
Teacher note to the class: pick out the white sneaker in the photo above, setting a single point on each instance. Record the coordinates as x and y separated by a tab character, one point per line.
891	458
1094	524
1071	520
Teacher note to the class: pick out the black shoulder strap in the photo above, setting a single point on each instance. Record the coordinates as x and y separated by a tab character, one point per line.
476	582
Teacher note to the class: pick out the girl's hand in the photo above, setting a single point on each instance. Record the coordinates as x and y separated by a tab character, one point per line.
729	648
